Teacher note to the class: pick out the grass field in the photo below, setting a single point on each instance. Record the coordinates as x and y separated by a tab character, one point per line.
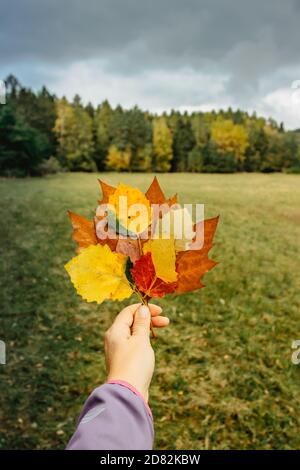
224	377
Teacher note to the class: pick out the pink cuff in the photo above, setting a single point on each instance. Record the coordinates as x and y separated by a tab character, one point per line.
134	390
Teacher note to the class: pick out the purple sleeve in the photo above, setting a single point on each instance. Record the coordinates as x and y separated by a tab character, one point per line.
114	417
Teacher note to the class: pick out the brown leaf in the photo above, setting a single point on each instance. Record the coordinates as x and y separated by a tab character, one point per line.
129	247
84	233
191	265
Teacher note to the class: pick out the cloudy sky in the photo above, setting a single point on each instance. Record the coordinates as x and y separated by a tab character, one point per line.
159	54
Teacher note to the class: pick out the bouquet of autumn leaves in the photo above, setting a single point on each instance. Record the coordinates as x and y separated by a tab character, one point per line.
132	246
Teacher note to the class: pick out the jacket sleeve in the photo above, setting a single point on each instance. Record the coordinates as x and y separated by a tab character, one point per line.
114	417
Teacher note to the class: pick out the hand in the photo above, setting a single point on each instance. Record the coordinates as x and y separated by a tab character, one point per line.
128	351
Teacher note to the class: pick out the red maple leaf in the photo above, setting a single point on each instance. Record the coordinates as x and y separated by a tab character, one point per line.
143	273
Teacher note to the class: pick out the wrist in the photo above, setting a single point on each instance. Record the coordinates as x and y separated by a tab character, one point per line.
136	391
131	382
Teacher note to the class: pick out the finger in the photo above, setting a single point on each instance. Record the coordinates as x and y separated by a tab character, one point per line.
126	315
141	323
124	319
154	309
160	322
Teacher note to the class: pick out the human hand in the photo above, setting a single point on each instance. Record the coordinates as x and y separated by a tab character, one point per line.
128	350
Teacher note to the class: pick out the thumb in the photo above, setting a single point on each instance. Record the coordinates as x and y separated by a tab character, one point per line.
141	322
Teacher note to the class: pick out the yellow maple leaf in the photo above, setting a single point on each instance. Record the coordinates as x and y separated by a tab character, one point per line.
163	257
98	274
131	207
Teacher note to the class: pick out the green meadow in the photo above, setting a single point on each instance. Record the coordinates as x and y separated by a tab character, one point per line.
224	377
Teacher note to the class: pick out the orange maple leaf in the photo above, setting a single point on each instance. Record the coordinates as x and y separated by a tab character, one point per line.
107	190
155	195
84	233
191	265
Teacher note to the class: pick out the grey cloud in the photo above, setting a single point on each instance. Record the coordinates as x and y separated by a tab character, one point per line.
249	43
147	34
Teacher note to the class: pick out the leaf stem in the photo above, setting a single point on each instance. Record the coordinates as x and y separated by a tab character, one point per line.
140	245
144	300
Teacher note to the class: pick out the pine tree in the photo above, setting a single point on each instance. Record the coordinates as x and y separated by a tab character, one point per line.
102	125
21	146
184	141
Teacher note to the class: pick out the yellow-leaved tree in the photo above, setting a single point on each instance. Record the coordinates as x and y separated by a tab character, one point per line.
230	138
162	144
74	131
118	160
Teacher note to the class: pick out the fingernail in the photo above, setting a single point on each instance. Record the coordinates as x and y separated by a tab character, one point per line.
144	311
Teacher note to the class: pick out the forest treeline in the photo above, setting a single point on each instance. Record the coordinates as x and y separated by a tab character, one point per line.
40	134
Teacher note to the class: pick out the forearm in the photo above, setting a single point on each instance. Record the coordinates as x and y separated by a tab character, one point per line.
114	417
